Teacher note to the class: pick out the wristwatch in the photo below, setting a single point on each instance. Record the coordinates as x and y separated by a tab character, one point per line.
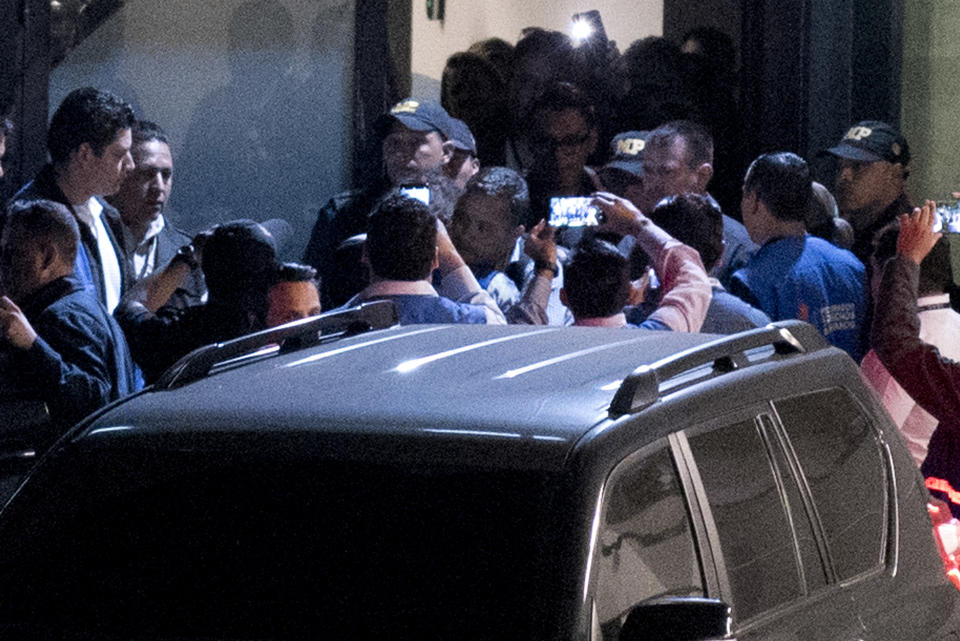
188	255
546	266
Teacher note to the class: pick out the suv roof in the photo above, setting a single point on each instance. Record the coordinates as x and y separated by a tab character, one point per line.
539	388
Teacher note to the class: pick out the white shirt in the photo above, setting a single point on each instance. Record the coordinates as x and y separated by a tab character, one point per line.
939	326
142	252
90	213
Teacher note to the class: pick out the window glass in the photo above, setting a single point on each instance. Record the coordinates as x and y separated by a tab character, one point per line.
841	458
646	546
758	547
814	572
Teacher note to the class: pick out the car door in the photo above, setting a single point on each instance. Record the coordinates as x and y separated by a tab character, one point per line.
771	560
646	545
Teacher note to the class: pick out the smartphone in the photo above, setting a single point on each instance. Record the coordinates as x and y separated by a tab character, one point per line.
573	211
598	35
417	192
948	217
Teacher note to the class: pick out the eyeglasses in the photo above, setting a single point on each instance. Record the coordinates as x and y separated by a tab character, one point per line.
567	142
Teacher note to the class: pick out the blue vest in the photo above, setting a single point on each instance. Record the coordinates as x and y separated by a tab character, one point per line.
812	280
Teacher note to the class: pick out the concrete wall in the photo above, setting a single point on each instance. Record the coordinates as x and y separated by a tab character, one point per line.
467	21
930	116
256	97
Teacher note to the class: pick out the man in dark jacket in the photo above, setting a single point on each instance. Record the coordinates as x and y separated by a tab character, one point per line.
60	339
871	178
89	141
415	139
238	259
148	240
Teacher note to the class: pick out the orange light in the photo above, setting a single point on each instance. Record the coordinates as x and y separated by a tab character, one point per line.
946	532
942	485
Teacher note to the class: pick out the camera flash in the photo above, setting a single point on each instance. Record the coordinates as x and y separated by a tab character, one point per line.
580	30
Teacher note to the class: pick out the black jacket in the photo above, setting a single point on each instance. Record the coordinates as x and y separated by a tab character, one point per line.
88	255
80	360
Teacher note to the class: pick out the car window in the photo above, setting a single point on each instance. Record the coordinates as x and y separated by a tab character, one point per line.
646	546
751	517
812	562
840	455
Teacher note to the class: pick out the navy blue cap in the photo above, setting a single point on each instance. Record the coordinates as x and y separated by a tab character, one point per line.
872	141
462	137
626	152
420	115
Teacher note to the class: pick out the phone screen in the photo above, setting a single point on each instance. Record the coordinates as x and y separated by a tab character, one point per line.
572	211
417	192
947	217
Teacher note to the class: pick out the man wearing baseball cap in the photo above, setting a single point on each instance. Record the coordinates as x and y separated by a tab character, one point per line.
623	173
415	139
464	162
870	180
238	259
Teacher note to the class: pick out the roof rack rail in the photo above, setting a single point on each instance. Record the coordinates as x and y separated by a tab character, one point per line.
642	387
290	336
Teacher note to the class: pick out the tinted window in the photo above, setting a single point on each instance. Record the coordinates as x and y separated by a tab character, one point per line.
755	537
646	546
305	550
814	571
840	455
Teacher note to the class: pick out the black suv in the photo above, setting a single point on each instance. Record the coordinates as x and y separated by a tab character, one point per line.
462	482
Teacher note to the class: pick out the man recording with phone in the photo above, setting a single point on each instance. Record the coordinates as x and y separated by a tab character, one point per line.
597	281
931	379
563	134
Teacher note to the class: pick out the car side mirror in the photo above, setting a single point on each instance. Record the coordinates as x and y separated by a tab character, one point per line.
677	619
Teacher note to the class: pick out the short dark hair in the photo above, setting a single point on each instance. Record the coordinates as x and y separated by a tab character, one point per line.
653	60
239	263
295	273
537	42
503	182
717	46
471	65
145	131
87	115
596	280
694	220
782	182
498	52
698	140
558	96
45	222
401	238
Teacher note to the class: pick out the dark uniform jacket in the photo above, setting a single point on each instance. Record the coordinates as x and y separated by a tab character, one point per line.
343	216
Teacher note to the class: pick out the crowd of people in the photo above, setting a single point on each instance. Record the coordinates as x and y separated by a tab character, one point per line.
101	294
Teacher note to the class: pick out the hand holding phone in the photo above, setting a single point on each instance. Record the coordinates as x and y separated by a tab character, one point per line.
573	211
